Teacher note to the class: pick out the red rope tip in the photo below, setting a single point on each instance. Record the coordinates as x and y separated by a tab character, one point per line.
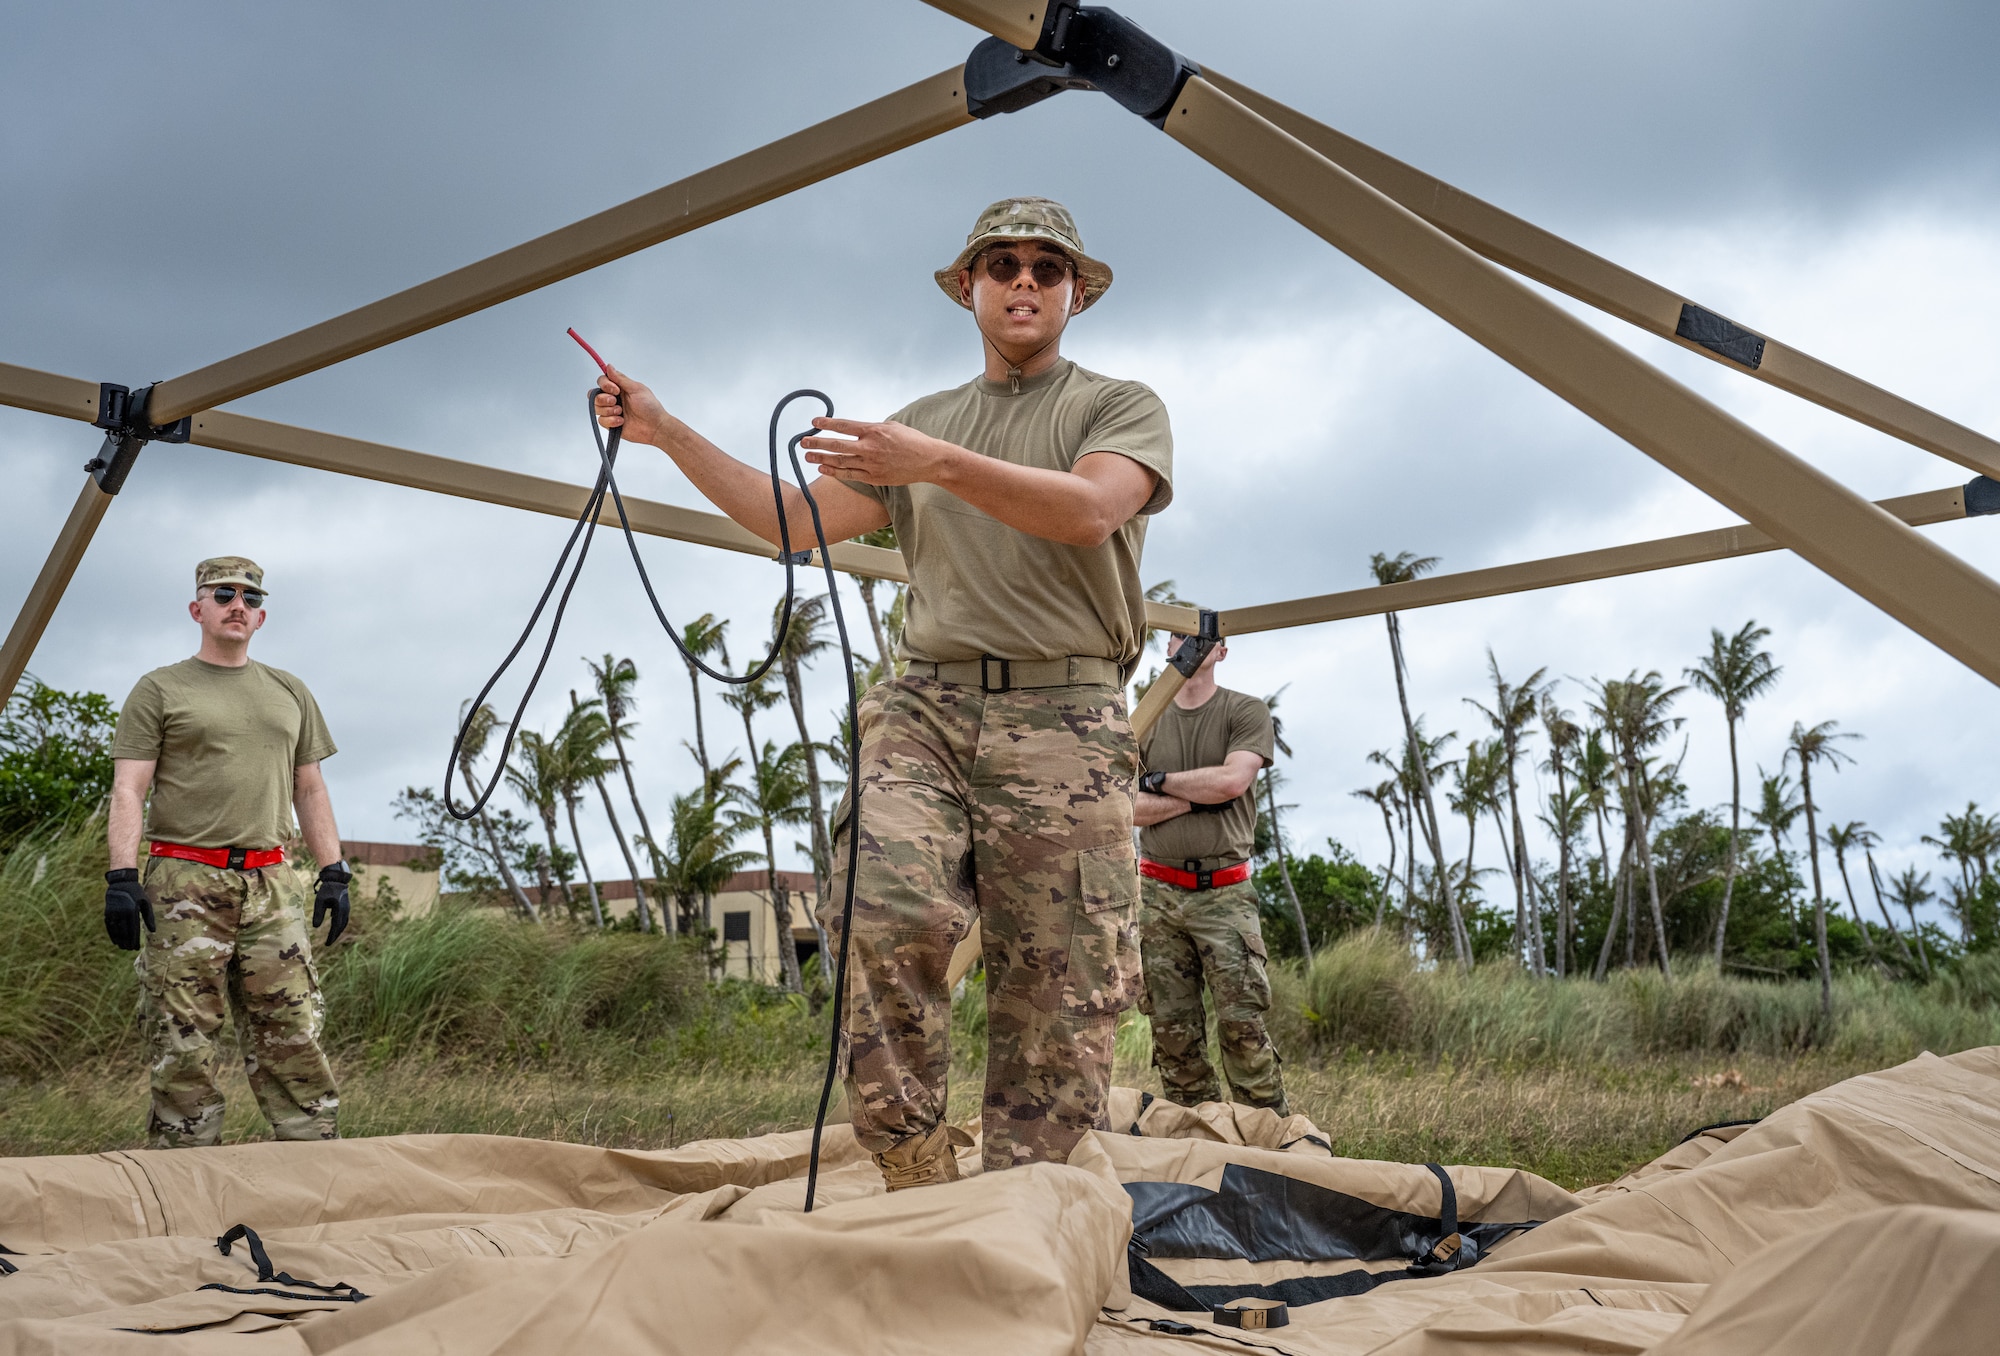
602	366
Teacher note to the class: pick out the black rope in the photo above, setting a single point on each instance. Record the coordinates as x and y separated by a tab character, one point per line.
585	530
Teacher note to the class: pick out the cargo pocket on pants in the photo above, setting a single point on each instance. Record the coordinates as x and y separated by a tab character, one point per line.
1103	971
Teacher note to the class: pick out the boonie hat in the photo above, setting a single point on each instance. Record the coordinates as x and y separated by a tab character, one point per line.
229	570
1042	219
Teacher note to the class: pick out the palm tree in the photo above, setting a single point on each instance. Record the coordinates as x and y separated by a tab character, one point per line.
1401	801
1478	778
1867	844
614	680
1778	806
478	730
1841	837
535	774
579	745
1563	733
700	638
777	795
1383	794
1513	707
1964	839
1734	672
803	639
1634	710
1567	814
594	760
1910	890
1401	569
1809	747
700	860
1277	832
884	537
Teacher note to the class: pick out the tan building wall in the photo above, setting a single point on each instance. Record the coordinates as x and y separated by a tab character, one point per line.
410	869
741	913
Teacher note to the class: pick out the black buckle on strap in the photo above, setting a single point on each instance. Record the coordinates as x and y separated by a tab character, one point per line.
986	684
236	858
1203	880
1253	1315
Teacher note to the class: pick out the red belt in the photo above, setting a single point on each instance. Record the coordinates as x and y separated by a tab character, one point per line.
237	859
1195	880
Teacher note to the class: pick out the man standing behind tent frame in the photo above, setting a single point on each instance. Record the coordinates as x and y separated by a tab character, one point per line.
996	774
230	748
1199	924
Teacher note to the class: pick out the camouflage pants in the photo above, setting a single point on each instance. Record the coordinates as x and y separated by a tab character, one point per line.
1194	936
232	939
1015	808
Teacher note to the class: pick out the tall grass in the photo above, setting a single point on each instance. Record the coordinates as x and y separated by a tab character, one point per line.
1367	993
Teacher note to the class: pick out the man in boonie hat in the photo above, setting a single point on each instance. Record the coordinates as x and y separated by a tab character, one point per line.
996	771
230	749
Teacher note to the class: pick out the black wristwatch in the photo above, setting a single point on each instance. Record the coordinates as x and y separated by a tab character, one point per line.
1154	783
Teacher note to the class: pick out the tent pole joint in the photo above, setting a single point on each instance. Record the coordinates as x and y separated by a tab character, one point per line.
1982	496
1082	47
122	414
1188	656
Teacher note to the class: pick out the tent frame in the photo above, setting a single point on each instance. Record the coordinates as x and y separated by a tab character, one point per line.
1448	250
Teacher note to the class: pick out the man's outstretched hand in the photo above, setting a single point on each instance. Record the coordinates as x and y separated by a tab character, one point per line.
627	403
880	454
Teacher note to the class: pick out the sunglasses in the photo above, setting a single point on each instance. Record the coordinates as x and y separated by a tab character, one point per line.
1047	271
226	594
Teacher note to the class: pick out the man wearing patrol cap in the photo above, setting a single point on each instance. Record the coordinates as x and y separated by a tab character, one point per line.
996	774
1198	923
230	749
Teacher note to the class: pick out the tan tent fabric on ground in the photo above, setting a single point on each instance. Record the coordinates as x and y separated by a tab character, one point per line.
1862	1218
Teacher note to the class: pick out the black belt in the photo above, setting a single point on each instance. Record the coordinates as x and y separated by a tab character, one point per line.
1251	1313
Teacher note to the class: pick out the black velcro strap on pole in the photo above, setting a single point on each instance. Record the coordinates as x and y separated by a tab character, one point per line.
267	1274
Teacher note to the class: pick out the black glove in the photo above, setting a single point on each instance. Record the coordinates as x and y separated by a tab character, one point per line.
331	896
1198	808
125	903
1154	783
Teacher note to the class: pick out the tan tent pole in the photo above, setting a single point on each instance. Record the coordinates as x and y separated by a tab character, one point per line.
49	585
873	130
1015	21
1549	259
1932	506
1926	588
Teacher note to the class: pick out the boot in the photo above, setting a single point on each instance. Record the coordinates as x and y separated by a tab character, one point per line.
924	1160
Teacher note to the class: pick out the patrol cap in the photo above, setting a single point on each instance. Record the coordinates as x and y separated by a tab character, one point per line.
229	570
1042	219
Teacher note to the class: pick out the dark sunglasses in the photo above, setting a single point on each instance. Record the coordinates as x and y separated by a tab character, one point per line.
226	594
1046	271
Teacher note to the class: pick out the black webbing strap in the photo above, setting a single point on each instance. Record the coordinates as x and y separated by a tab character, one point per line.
266	1273
7	1268
1260	1217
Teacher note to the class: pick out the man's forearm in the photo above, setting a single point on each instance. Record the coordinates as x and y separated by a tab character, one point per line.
315	810
123	825
1058	506
1148	808
1207	785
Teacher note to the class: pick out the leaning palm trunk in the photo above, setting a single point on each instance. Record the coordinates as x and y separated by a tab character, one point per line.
667	920
867	588
700	736
1819	895
1735	832
1461	945
1562	870
521	900
1537	948
1902	947
590	882
1634	787
822	852
1619	892
1285	870
631	862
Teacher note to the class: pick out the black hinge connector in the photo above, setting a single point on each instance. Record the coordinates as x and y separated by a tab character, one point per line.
1188	656
1982	496
1082	47
121	413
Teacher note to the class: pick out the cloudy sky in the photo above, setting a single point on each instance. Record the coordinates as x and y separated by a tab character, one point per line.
1826	172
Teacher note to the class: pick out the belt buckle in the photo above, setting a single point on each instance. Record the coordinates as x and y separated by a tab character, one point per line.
236	856
1203	880
1006	674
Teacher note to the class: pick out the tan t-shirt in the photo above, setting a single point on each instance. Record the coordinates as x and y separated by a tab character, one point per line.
979	587
226	741
1205	737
